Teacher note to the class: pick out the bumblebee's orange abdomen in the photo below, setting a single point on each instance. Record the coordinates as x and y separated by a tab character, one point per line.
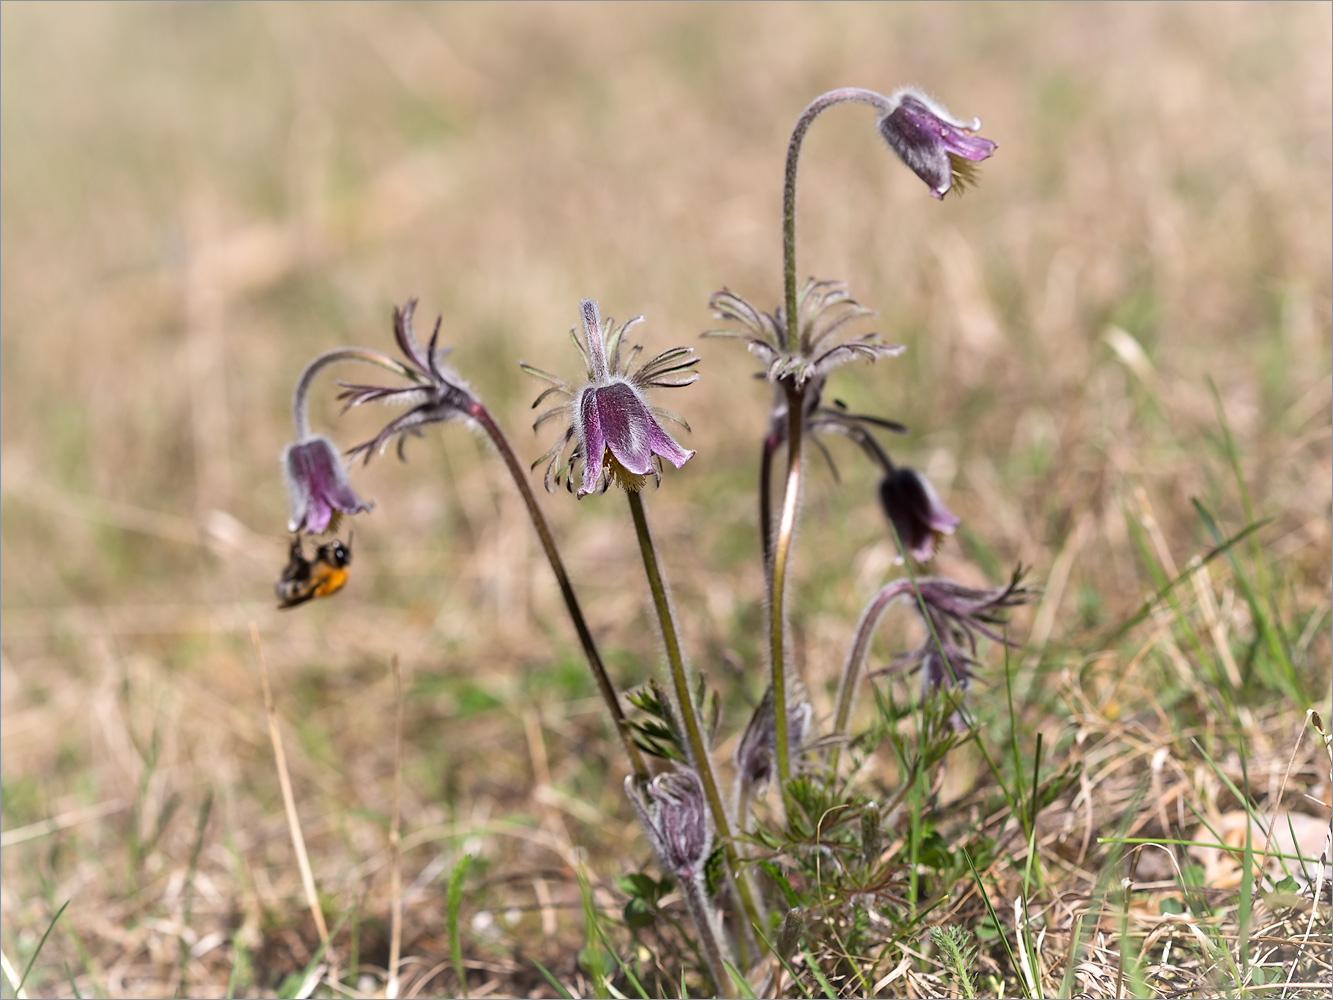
328	579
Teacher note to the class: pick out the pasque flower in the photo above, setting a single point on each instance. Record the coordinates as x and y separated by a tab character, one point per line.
940	149
916	511
434	391
756	752
674	816
824	309
955	616
317	485
614	427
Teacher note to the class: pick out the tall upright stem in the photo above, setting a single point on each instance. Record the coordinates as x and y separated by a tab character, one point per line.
790	335
766	500
479	413
777	593
694	735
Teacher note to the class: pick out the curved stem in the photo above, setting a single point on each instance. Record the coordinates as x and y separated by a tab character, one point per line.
856	656
778	587
300	396
702	761
817	106
479	413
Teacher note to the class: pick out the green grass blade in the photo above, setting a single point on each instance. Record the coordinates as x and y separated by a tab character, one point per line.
40	944
743	989
1287	679
73	986
455	900
240	957
786	965
1164	588
561	992
629	973
995	918
829	992
291	986
187	907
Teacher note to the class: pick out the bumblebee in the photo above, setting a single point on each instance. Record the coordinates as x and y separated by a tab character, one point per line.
304	578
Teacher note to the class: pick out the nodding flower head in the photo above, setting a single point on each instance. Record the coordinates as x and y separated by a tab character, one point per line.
434	391
915	510
942	150
954	616
757	751
674	816
823	308
614	429
317	485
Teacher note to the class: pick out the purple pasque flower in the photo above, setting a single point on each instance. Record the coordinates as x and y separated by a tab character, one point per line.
954	617
823	309
915	510
757	752
435	392
614	428
317	485
674	815
941	149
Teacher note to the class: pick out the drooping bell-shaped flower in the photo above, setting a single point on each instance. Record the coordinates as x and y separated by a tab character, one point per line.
317	485
941	149
916	511
615	429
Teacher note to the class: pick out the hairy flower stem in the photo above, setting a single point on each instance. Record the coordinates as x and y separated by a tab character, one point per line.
865	629
856	656
694	735
301	395
778	588
700	912
817	106
482	416
795	411
766	500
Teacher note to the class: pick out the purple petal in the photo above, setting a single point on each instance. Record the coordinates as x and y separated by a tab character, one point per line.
916	511
925	136
317	485
592	439
663	444
626	423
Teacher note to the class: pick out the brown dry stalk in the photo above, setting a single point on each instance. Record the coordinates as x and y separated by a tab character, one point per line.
288	800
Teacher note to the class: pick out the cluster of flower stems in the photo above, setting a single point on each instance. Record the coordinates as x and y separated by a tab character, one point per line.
614	433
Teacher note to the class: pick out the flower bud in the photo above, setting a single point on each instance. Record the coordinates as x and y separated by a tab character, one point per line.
674	815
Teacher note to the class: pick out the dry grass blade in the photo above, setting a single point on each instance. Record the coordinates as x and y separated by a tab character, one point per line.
288	799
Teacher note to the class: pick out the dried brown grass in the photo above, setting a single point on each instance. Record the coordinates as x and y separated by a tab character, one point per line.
197	198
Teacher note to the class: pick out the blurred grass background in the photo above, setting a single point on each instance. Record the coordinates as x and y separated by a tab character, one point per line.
196	199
